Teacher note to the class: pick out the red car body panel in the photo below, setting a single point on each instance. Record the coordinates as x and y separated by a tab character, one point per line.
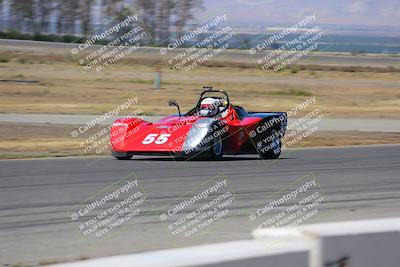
170	134
127	134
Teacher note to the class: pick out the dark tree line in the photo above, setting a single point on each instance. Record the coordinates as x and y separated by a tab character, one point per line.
165	16
161	18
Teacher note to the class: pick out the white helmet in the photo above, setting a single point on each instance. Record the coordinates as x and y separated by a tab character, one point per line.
209	107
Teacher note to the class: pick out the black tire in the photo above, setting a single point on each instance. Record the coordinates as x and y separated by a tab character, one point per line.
124	158
122	155
276	147
217	149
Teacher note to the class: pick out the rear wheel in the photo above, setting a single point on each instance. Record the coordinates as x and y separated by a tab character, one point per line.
217	149
274	148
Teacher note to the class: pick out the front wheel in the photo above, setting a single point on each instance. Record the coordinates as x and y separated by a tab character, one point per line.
217	149
122	155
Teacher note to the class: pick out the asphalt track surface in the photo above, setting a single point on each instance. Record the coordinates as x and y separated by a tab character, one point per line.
37	196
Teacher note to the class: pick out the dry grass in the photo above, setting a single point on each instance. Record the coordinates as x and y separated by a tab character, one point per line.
64	87
36	140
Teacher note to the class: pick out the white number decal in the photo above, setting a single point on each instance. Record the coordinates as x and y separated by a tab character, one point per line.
150	138
163	138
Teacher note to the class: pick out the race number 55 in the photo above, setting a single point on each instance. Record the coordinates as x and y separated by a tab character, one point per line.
157	139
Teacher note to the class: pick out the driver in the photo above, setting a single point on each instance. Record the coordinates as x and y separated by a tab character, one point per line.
210	107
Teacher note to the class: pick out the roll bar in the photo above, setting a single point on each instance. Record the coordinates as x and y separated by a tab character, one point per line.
209	89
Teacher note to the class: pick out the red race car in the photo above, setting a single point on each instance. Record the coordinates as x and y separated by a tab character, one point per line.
214	127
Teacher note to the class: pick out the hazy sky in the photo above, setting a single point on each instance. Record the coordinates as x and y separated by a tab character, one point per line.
342	12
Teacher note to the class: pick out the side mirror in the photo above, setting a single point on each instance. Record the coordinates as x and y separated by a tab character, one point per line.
174	103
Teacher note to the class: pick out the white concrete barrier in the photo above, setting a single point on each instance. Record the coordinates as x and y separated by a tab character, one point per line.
233	254
370	243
